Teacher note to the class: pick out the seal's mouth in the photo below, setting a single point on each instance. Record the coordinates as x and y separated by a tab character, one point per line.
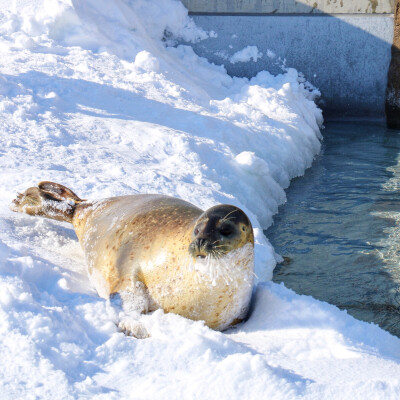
203	248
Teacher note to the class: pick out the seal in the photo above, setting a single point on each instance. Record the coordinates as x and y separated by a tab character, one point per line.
157	251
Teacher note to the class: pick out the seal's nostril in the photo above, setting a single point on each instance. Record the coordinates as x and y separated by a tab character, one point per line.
200	248
200	243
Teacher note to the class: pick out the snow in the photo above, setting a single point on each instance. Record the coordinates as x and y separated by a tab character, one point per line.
94	96
247	54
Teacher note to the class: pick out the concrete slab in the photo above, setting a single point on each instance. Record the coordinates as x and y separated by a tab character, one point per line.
290	6
346	56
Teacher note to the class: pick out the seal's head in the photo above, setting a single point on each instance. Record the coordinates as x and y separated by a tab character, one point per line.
219	230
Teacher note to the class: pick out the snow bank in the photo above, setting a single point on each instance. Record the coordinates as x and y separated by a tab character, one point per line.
92	97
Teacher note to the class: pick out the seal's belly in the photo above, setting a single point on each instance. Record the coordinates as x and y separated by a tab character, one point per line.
217	292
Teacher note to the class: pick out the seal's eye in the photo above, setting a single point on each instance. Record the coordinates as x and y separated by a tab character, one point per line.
226	230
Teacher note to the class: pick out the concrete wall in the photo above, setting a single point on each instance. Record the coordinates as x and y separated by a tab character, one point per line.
290	6
346	56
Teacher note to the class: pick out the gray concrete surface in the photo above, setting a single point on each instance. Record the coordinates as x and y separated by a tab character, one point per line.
346	56
290	6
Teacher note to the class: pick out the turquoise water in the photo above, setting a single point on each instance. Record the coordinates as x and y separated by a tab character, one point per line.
340	226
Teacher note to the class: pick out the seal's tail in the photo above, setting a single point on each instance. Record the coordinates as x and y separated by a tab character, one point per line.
48	199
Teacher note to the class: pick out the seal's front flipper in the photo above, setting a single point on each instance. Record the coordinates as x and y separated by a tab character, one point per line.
50	200
133	327
133	302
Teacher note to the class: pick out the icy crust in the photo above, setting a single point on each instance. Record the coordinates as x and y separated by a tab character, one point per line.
235	267
91	97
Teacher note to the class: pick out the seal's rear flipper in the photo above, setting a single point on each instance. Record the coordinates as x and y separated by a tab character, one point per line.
58	191
50	200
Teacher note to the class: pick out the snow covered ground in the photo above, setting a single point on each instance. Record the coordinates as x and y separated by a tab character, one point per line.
94	96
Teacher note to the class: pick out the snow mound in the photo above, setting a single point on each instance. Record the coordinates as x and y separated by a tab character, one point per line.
247	54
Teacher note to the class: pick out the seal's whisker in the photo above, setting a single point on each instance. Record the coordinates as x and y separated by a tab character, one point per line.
226	216
216	254
228	219
218	245
254	274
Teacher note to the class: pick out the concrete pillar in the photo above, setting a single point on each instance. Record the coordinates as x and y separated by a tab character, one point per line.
393	87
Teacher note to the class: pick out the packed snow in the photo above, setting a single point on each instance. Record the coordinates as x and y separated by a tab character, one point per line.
246	54
98	96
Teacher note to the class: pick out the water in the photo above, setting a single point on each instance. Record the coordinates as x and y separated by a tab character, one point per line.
340	226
